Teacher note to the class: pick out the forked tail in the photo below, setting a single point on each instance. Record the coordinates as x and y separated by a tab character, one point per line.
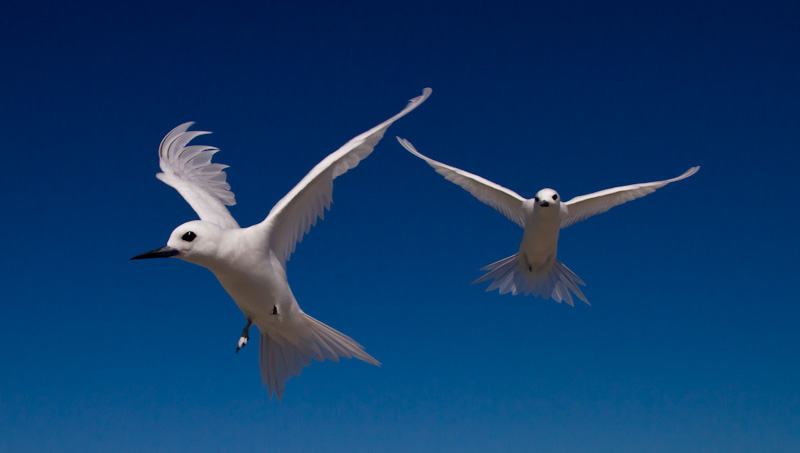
510	275
284	354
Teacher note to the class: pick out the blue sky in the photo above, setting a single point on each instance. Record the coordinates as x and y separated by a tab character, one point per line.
691	341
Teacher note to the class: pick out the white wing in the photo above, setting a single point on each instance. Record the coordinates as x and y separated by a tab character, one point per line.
189	170
582	207
297	212
508	202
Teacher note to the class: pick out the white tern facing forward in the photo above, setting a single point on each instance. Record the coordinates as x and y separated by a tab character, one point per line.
250	263
534	269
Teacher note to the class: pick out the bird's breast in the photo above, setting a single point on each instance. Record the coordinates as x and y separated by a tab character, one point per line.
257	288
540	239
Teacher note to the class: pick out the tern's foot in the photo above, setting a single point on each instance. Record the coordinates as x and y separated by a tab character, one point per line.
242	342
245	335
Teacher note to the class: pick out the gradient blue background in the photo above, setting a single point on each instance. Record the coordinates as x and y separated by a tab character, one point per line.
691	342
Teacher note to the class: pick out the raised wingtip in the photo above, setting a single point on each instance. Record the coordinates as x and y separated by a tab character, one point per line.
177	130
409	147
189	167
426	92
182	127
689	172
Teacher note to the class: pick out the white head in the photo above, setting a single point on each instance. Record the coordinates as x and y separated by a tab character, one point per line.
547	197
196	242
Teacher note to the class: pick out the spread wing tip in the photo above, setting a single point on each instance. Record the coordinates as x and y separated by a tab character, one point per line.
189	167
413	103
685	174
426	92
410	148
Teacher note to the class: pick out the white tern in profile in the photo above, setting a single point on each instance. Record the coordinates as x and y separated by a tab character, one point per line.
250	263
534	269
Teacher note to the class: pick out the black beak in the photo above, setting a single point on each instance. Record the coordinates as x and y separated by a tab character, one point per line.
544	204
163	252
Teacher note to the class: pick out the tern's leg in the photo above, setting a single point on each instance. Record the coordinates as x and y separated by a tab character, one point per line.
245	335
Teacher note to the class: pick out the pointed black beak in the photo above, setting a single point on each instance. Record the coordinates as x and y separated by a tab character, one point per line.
544	204
163	252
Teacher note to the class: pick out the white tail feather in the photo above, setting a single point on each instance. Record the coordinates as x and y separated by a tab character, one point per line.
284	354
510	275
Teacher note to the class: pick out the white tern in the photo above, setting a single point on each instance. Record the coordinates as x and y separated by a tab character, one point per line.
534	269
250	263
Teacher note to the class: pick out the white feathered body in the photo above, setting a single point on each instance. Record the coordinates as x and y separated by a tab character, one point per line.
534	269
250	263
539	245
255	280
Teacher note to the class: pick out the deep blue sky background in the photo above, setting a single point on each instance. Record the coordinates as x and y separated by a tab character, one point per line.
691	342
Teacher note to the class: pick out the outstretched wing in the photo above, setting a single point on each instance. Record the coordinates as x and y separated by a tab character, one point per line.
189	170
297	212
582	207
508	202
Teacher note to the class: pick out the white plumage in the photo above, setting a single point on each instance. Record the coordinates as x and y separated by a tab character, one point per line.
534	269
250	263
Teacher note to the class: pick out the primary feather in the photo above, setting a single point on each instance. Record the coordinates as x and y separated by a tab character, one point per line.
188	169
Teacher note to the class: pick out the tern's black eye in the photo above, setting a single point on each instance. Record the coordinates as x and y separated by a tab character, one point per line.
189	236
555	196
